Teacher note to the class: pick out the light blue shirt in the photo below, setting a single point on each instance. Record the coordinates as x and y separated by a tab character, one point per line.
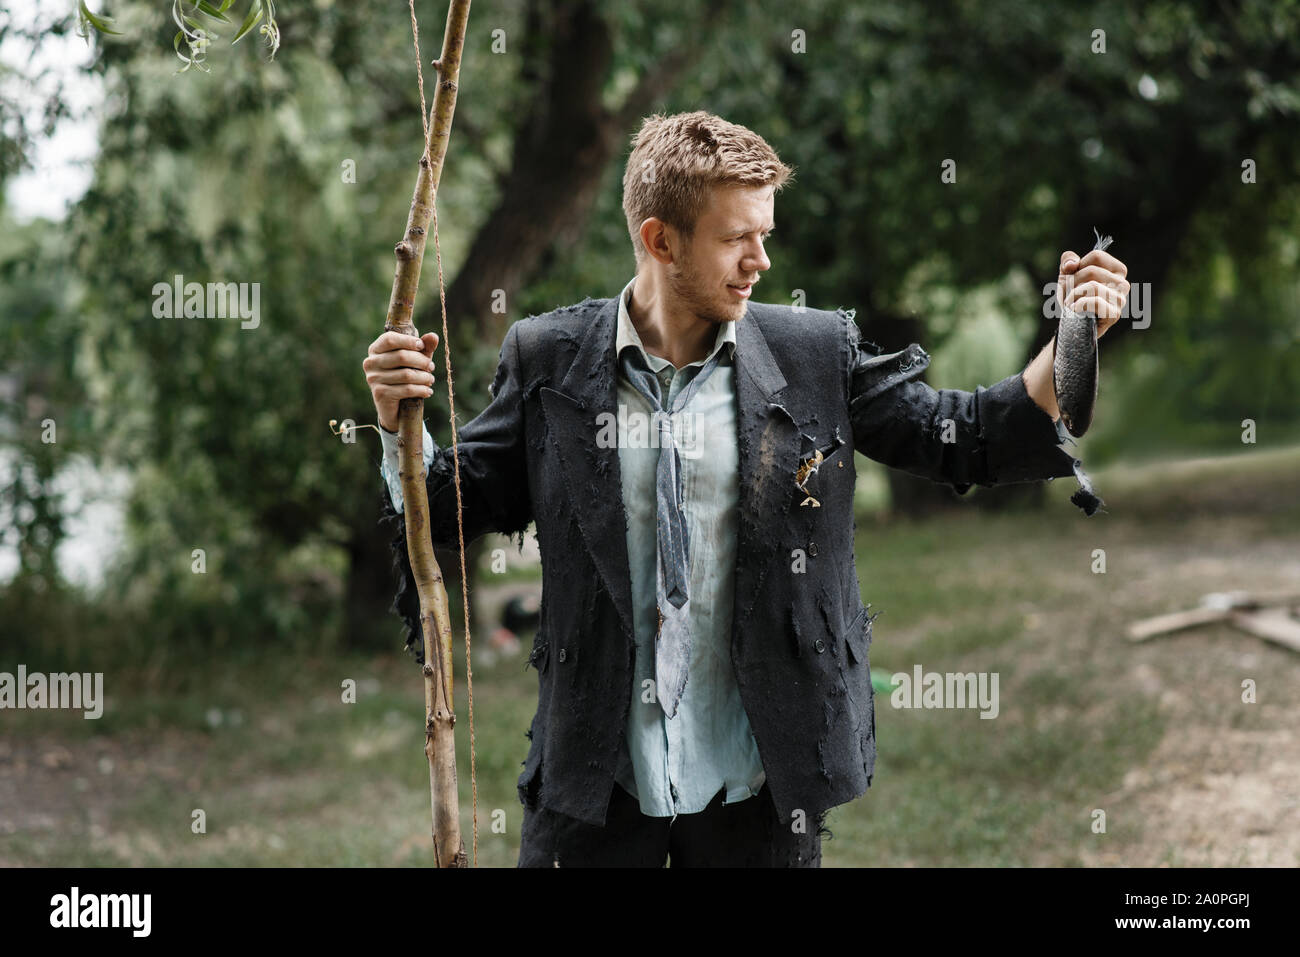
676	765
391	463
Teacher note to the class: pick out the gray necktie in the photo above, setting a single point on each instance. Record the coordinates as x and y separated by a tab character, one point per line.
672	591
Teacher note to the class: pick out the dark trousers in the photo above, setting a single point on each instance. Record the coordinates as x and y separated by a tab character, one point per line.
748	833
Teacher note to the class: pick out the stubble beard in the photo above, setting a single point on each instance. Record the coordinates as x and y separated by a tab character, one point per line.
690	292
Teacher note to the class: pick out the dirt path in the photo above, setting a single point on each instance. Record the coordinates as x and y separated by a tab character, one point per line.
1223	786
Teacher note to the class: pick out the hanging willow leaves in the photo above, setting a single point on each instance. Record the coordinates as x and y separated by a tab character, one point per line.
218	13
86	19
254	15
195	37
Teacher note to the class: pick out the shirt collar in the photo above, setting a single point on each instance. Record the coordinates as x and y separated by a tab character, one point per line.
628	337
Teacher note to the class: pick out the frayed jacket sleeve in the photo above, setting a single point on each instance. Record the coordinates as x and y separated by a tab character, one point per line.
493	483
996	435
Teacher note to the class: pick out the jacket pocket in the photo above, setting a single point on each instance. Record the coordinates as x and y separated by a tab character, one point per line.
858	637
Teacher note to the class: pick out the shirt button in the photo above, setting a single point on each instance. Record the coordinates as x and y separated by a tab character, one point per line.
819	645
563	655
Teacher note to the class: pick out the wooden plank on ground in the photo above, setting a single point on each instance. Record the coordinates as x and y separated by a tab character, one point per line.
1272	624
1176	621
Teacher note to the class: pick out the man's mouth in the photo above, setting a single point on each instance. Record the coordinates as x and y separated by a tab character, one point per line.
741	289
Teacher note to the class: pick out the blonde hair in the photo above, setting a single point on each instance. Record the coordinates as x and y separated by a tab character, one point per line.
677	160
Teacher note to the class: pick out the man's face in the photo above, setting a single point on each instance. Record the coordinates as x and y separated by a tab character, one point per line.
721	261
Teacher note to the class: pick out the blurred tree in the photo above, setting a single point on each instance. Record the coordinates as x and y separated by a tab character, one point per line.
566	134
42	405
1051	129
296	175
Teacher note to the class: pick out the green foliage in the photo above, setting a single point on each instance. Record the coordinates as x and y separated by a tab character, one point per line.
1049	138
196	31
43	417
86	21
297	175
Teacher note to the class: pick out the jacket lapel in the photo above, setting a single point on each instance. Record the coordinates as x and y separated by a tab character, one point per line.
768	440
592	474
768	443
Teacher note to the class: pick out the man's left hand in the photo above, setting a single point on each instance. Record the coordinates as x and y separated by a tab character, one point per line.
1094	284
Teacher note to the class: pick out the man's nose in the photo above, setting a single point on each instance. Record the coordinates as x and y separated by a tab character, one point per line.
756	260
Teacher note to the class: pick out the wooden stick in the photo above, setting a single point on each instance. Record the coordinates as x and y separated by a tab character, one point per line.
435	618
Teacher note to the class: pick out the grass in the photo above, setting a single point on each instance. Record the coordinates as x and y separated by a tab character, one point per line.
287	773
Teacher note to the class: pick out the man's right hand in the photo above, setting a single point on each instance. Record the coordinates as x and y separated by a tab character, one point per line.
399	367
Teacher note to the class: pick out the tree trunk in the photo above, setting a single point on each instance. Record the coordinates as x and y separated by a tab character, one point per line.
562	146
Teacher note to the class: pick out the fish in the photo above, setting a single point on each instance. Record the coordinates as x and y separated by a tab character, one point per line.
1074	362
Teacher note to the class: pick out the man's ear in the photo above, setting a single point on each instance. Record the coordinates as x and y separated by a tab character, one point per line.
660	240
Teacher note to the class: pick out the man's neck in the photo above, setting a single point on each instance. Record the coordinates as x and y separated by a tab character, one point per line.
666	329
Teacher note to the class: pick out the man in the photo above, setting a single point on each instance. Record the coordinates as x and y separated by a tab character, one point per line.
686	454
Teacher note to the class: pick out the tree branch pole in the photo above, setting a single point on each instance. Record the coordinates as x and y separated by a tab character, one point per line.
435	617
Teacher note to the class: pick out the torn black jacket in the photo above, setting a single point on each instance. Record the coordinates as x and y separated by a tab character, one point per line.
804	382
